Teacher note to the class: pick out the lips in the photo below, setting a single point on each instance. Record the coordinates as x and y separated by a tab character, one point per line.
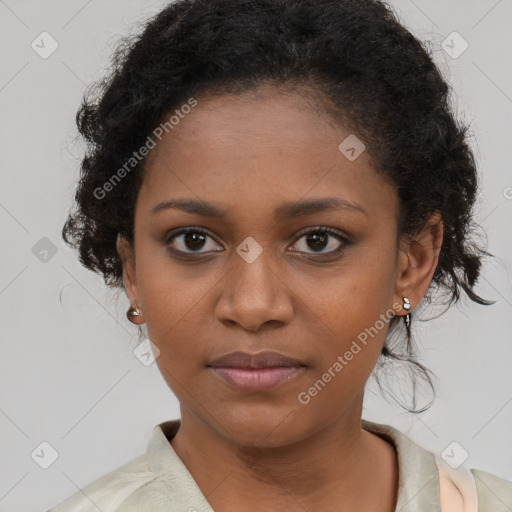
256	372
254	361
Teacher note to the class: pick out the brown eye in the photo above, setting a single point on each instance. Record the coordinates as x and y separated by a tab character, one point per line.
319	239
191	240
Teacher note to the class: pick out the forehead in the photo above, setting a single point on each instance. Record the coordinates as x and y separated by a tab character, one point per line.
270	114
257	148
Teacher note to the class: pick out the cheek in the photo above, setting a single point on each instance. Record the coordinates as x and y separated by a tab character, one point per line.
174	301
347	358
353	299
179	305
356	308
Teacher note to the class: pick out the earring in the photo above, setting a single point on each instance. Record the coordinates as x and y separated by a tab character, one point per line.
134	315
407	318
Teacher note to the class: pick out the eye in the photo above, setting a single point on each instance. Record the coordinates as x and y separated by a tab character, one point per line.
192	239
320	238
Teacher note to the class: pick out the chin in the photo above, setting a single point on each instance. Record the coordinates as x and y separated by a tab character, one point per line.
264	427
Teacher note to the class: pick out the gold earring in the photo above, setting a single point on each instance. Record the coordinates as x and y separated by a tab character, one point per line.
134	315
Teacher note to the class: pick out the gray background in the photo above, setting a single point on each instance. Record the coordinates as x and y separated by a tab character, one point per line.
68	373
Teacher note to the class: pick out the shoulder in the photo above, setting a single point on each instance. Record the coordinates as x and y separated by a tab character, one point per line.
110	490
472	490
494	493
427	482
156	480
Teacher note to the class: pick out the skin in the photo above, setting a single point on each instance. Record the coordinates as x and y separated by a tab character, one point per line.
248	154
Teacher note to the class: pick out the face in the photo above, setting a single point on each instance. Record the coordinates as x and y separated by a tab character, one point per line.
265	274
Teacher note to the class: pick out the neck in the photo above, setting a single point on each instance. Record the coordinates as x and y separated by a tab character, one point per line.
338	462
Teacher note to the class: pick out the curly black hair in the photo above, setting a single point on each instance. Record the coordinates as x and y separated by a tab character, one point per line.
374	77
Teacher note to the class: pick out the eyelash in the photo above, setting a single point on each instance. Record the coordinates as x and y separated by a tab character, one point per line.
316	229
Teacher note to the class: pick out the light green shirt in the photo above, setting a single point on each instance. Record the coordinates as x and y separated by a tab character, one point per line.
158	481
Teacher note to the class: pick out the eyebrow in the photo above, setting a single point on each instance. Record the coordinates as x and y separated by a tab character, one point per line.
284	211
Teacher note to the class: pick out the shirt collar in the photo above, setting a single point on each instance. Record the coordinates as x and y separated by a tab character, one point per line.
418	484
418	480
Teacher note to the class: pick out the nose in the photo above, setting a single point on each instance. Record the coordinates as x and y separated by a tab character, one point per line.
254	296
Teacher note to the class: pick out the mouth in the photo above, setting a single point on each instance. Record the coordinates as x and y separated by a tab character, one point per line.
256	372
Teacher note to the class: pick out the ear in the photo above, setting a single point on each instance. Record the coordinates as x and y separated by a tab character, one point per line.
417	261
127	257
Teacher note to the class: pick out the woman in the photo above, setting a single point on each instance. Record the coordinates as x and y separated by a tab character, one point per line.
277	185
